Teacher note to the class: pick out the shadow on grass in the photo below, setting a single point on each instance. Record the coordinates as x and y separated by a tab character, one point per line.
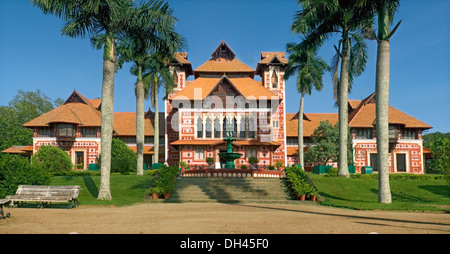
90	185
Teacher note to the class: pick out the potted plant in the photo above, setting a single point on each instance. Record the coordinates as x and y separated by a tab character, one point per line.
167	189
210	161
253	161
156	191
279	165
183	165
300	190
312	193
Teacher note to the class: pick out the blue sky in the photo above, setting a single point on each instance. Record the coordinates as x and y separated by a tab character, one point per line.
34	55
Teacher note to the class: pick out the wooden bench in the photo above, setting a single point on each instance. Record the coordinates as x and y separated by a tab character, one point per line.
4	202
45	194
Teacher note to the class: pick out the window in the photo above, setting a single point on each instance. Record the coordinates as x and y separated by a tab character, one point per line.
365	133
217	127
252	152
45	132
275	123
242	127
251	128
66	130
199	128
208	127
199	153
292	141
89	132
409	134
274	80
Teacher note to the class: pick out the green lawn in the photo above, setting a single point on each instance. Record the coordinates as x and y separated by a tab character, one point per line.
125	189
407	194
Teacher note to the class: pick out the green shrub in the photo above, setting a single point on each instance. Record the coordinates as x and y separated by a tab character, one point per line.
298	182
253	159
244	167
52	158
166	179
16	170
123	159
332	172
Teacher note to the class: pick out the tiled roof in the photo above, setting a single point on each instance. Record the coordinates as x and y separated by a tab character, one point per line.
81	111
270	57
124	124
19	149
364	115
181	58
247	87
223	65
292	151
308	125
147	149
73	112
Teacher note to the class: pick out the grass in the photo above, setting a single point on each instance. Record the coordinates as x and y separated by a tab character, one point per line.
407	194
125	189
351	193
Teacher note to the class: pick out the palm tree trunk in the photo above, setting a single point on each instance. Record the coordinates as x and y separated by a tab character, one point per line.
140	123
300	132
343	109
382	108
107	117
156	127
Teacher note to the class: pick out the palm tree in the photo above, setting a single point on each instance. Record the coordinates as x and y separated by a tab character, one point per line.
158	75
85	17
310	69
385	10
318	20
139	46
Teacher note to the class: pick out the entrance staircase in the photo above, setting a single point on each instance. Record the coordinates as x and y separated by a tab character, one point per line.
230	190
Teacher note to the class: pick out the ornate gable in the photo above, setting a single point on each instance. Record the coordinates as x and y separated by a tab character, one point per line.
223	51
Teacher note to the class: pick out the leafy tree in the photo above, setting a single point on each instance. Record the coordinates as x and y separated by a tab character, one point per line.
325	145
310	70
16	170
431	137
25	106
318	20
440	159
52	158
385	10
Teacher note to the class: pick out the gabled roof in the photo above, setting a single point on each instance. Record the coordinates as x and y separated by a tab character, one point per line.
202	87
268	58
75	110
223	61
180	58
363	115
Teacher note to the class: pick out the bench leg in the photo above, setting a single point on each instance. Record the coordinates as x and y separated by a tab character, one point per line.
2	216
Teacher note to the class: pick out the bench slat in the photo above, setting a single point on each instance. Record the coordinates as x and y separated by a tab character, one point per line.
46	193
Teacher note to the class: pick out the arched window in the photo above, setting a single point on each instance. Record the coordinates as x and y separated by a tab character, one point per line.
242	127
208	127
217	127
234	127
251	127
199	128
274	80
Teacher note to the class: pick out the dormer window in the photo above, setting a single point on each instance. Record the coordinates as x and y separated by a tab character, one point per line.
274	80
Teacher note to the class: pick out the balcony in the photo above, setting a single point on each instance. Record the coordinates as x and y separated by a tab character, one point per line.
65	136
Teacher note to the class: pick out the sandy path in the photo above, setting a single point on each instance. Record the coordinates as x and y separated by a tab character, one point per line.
206	218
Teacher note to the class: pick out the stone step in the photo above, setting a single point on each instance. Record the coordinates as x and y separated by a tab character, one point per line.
263	190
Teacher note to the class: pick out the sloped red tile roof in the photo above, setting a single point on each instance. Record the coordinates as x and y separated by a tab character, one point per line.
364	115
308	125
124	124
202	87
